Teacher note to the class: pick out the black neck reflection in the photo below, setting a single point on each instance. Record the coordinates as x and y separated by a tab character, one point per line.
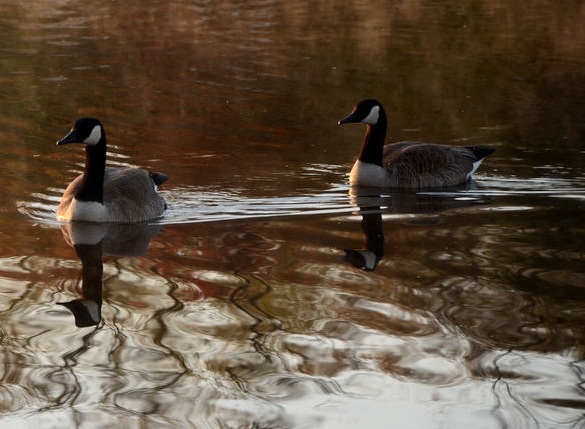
91	243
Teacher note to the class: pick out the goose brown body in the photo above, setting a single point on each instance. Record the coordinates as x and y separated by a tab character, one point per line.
129	196
108	194
407	164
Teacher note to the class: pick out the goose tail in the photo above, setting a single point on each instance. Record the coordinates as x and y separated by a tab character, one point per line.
481	152
158	179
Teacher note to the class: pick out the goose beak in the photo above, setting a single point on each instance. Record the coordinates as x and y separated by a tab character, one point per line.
69	138
348	119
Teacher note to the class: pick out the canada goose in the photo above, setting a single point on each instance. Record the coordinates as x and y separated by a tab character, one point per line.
407	164
107	194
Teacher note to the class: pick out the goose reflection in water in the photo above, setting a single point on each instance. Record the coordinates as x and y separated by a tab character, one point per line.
373	204
93	241
367	259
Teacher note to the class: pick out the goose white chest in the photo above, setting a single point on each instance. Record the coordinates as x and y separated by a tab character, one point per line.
367	174
85	211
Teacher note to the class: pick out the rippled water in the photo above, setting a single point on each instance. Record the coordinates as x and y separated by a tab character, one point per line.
270	295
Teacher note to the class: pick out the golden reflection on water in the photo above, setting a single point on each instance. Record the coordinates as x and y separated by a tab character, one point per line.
268	296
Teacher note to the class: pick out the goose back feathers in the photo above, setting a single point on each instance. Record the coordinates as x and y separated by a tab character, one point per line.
108	194
407	164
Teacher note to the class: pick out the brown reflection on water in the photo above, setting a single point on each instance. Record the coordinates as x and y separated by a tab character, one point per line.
471	313
232	94
252	66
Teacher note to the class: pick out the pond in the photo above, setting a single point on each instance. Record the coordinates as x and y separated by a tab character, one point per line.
271	295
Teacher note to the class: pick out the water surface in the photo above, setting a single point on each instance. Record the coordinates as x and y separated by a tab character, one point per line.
270	296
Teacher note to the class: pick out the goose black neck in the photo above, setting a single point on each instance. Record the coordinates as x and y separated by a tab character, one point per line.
373	147
92	187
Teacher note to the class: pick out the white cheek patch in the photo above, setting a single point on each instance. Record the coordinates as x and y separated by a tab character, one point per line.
94	137
372	118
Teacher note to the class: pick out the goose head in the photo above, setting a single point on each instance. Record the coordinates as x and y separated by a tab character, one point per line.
369	112
88	131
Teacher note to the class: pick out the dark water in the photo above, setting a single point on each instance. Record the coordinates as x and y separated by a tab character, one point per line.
269	297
